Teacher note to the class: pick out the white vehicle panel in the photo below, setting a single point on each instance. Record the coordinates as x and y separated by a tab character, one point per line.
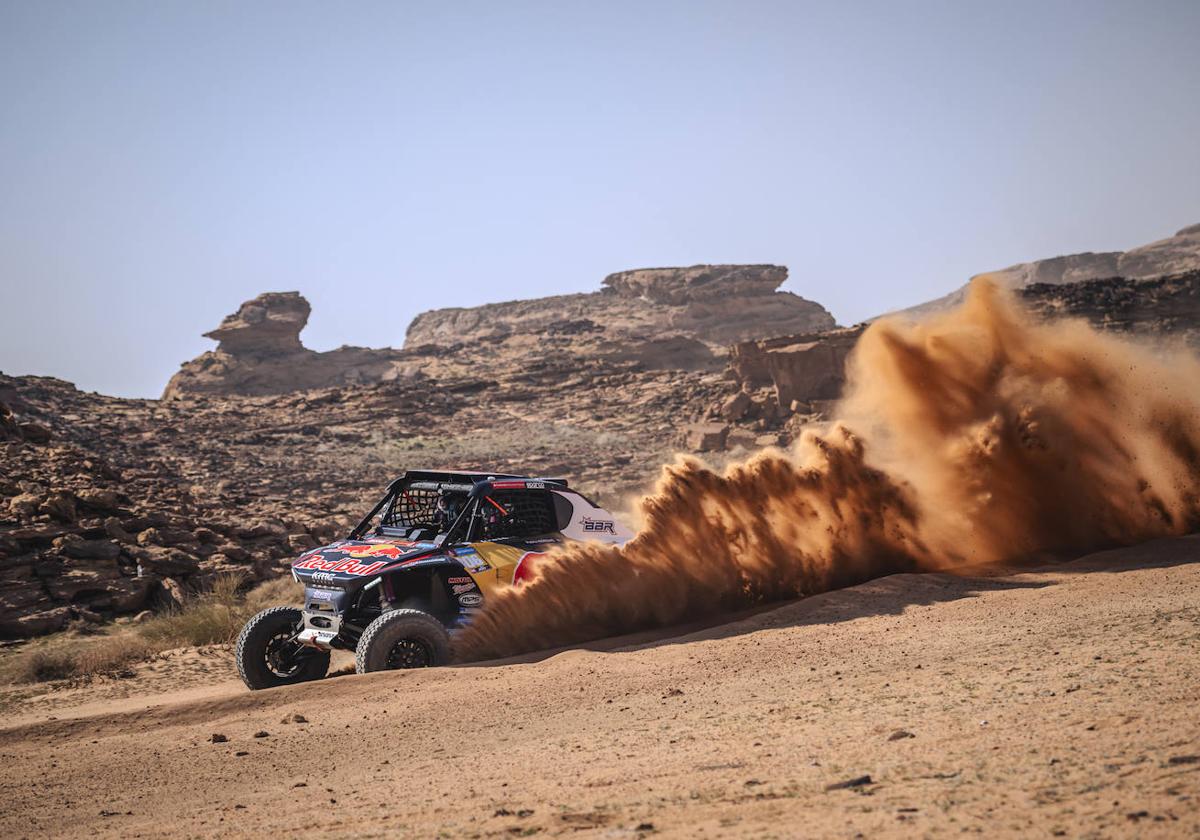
593	523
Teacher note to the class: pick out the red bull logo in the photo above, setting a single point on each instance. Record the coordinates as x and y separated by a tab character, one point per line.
321	561
523	573
349	567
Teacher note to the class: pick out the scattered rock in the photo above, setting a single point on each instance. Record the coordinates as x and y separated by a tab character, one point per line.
218	738
100	500
300	542
706	437
35	432
60	505
900	735
857	781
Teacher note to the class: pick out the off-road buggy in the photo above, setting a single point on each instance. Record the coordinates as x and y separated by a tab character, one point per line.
414	571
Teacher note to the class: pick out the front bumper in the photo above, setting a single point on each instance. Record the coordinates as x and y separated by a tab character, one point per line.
320	628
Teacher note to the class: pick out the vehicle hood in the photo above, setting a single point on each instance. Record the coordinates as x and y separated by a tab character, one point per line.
349	560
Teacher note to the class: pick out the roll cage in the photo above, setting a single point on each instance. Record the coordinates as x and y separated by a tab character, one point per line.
493	507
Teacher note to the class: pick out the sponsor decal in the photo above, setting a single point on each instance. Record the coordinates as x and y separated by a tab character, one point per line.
345	567
524	568
599	526
460	580
471	561
474	599
383	553
535	485
321	594
390	550
323	577
460	588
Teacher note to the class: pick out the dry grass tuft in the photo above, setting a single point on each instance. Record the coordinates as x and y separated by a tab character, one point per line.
214	617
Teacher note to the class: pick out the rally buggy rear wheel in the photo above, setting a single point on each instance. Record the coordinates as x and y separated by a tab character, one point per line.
268	654
402	639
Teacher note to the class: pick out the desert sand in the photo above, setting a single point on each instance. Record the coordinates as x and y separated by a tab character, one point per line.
1058	700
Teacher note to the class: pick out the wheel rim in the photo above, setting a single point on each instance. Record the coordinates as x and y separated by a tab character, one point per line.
409	653
284	656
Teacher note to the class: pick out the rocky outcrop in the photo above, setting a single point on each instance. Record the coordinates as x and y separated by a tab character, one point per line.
658	319
269	325
681	286
1158	307
800	369
713	305
260	353
1173	255
805	373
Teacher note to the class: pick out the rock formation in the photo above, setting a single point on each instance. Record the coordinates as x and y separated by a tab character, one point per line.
1173	255
1155	307
801	369
804	373
260	353
659	319
711	304
267	326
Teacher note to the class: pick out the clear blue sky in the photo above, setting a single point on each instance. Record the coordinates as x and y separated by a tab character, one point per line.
161	162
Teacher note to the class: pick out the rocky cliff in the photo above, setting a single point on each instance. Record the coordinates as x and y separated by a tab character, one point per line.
658	319
711	304
259	353
800	375
1173	255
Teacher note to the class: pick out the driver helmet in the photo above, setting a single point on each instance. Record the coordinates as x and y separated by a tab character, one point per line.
447	505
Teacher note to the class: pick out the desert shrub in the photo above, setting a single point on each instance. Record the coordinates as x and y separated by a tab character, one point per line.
111	654
42	665
217	616
213	617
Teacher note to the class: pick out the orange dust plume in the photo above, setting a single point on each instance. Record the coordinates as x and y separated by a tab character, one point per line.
980	436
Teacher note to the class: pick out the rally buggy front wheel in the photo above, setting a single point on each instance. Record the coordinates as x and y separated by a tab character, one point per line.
402	639
268	654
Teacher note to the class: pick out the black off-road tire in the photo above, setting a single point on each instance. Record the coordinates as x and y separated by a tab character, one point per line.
253	651
402	639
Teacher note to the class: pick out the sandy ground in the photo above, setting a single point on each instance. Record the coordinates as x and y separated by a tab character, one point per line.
1055	702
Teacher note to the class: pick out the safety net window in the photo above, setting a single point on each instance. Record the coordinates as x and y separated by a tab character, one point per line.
517	513
411	507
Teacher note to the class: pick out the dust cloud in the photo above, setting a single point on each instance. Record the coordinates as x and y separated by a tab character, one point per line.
981	436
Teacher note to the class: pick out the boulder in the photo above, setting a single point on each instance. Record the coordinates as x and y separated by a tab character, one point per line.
735	407
233	552
799	368
297	543
35	432
60	505
165	536
101	500
25	506
75	546
167	562
273	529
23	624
705	437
